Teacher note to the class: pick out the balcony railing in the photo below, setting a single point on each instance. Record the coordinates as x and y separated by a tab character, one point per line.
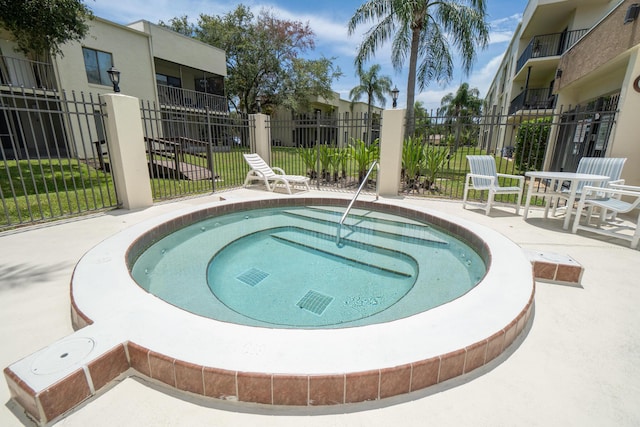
178	97
533	99
549	45
26	73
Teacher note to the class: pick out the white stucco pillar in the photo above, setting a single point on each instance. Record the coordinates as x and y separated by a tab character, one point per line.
624	140
391	137
127	151
261	136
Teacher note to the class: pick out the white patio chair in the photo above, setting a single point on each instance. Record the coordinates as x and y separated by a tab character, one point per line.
261	171
607	166
484	176
608	200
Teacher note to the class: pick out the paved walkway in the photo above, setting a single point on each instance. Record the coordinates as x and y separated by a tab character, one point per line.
576	366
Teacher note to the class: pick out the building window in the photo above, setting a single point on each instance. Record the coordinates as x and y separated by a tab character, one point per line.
96	63
168	80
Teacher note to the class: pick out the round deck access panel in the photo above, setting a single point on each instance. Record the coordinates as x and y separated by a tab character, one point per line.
62	355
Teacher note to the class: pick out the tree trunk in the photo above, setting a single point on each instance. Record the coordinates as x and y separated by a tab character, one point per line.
411	83
369	121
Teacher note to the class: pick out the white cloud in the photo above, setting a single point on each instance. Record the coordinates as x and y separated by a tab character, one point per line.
431	98
125	12
507	21
502	29
500	37
483	78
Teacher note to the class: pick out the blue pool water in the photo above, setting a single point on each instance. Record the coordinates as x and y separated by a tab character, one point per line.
282	268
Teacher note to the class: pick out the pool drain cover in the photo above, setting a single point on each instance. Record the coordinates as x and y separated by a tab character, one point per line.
315	302
252	276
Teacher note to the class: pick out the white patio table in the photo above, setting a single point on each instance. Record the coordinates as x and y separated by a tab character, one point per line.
555	180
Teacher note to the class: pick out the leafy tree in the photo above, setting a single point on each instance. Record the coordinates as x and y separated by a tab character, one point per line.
40	27
374	86
307	78
423	30
423	121
263	58
180	25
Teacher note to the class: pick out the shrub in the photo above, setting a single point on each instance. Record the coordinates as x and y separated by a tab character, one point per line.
531	143
412	160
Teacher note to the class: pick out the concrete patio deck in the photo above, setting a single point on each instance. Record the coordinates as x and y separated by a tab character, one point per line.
576	364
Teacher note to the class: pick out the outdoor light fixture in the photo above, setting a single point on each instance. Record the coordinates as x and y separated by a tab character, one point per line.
558	73
259	100
632	13
114	76
394	95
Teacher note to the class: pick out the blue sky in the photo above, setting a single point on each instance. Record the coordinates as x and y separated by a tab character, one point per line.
328	19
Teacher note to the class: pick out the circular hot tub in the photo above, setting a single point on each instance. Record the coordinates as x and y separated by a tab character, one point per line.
295	267
266	363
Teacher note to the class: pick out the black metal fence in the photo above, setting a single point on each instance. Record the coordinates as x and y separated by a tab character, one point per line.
194	151
434	161
53	156
335	150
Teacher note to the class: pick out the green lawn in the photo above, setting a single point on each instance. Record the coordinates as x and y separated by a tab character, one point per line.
41	190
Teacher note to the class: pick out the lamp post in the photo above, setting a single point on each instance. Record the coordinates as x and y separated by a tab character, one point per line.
114	76
394	95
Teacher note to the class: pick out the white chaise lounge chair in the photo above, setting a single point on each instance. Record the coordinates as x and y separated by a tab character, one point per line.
608	200
260	171
484	176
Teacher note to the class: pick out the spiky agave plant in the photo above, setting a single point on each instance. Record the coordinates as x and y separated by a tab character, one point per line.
363	155
435	159
337	161
309	156
413	157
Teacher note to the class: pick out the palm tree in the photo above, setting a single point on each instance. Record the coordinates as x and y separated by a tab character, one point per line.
422	30
461	108
465	102
374	86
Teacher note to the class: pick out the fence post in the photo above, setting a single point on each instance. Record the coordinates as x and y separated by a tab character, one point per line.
391	136
127	151
261	136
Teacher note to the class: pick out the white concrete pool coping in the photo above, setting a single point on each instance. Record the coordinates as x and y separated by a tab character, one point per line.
27	306
104	291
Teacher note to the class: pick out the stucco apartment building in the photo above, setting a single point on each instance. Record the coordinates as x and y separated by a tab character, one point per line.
575	56
334	121
177	73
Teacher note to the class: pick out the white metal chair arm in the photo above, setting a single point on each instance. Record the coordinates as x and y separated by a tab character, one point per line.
613	190
506	175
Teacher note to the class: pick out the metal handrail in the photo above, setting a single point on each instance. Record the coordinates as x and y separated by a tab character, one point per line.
346	212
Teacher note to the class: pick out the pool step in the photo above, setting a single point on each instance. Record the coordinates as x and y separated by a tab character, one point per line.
371	256
368	222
